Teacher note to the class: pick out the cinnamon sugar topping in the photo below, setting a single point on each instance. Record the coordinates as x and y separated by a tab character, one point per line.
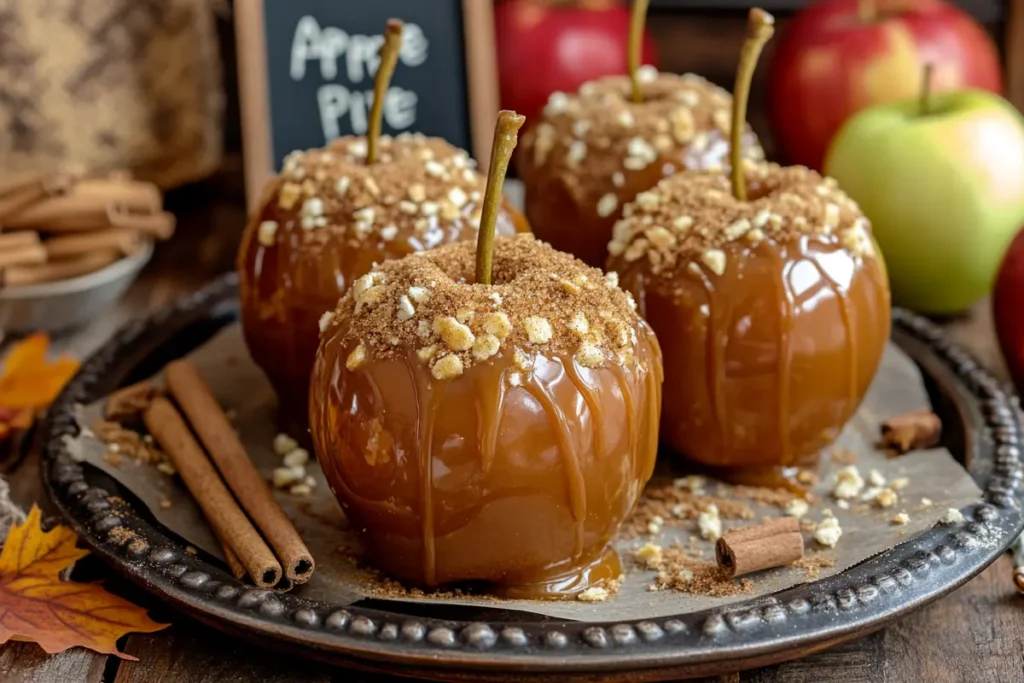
690	220
599	132
417	183
427	304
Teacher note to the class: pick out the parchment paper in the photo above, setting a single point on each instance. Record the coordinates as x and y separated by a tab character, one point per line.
242	389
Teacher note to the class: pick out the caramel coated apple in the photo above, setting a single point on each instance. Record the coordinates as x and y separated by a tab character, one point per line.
773	311
499	432
325	220
594	151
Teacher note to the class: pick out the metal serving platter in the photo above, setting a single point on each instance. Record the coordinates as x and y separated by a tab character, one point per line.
982	428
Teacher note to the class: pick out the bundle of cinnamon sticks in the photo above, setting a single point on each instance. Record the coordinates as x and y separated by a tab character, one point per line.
190	426
59	225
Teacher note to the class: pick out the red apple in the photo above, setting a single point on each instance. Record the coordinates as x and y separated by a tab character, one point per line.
549	45
1008	308
837	57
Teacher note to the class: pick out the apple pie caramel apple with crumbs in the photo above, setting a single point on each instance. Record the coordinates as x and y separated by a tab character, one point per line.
488	415
770	298
595	150
329	216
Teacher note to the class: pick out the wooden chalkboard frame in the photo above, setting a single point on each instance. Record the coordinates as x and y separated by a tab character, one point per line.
481	81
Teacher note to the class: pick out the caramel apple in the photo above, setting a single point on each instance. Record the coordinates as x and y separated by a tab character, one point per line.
329	216
771	298
595	150
488	416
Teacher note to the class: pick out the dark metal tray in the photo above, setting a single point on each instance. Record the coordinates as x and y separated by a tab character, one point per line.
981	428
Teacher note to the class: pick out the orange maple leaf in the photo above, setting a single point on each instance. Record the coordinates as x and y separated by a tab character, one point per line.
36	606
28	380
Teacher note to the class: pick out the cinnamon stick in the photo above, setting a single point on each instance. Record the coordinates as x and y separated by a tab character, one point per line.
12	240
170	431
51	211
60	270
115	239
911	431
774	543
19	181
18	200
234	564
22	255
136	194
157	225
215	431
88	198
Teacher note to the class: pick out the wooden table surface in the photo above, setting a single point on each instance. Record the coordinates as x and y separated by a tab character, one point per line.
975	634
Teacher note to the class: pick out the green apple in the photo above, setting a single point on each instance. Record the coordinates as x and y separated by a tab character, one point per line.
942	181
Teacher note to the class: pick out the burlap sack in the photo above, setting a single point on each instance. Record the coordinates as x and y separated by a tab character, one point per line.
111	84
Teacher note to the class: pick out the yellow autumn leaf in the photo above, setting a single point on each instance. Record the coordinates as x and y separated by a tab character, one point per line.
36	606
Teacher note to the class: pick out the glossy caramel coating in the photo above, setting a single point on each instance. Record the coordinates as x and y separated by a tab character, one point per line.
774	313
594	151
333	217
507	448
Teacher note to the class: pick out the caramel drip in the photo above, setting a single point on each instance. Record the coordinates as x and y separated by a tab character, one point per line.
489	408
570	461
596	418
428	398
785	350
652	386
631	418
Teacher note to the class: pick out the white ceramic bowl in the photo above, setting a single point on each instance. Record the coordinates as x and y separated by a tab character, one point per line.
63	305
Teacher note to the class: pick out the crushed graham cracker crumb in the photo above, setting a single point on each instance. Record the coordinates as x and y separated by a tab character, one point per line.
125	442
676	570
419	188
813	564
692	221
598	136
455	323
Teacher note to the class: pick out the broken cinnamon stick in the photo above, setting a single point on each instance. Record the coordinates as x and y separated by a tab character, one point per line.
170	431
215	431
116	239
911	431
128	403
774	543
60	270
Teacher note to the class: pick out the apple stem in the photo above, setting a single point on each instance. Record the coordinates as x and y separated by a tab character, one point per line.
506	135
926	89
388	59
867	11
760	26
636	42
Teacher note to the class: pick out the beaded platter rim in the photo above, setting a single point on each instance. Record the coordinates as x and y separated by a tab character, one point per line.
758	631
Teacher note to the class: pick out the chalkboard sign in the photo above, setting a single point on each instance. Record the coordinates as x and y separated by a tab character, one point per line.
306	70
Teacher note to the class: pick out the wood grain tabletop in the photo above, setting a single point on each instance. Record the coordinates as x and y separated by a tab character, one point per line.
976	634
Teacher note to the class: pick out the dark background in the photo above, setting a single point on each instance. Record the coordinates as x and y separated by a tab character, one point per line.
439	83
702	36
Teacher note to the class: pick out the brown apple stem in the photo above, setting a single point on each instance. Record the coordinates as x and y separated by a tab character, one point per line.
926	89
506	135
388	59
636	43
760	26
867	11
